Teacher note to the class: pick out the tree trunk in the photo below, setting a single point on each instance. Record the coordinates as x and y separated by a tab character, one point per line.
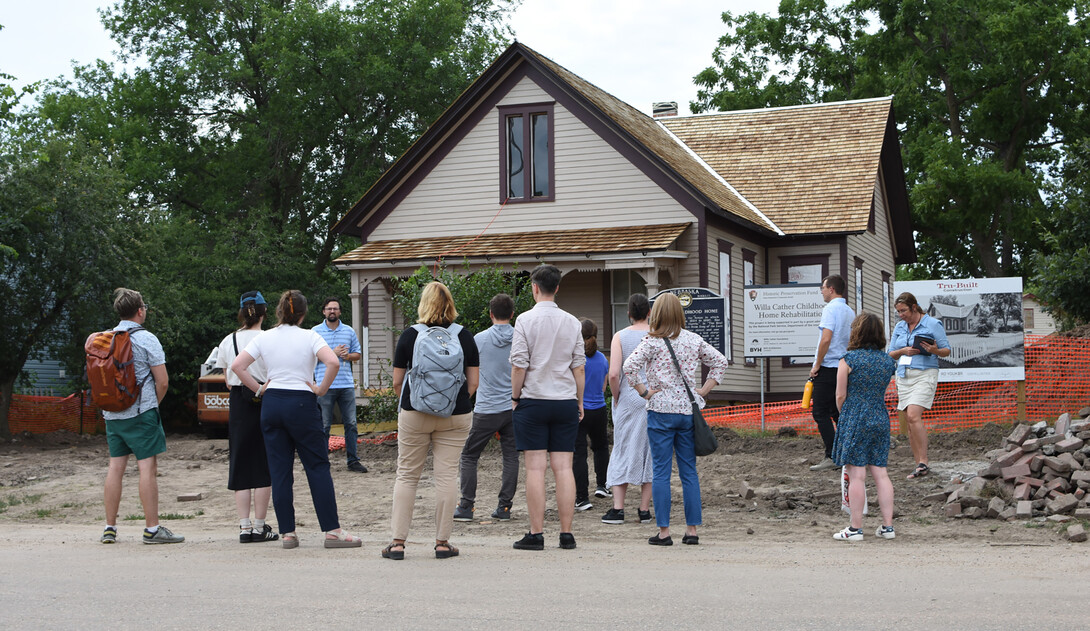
7	388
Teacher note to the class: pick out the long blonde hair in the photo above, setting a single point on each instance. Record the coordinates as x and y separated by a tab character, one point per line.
436	305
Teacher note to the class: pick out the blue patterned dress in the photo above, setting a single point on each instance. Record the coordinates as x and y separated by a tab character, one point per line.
862	434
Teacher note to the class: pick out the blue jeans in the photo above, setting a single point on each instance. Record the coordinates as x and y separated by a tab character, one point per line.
670	434
346	399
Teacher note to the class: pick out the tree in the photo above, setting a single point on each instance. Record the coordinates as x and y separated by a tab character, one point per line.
1063	275
1005	308
249	127
984	93
68	240
471	292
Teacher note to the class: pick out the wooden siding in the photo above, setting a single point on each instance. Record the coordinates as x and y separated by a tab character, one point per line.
876	251
739	376
581	295
595	185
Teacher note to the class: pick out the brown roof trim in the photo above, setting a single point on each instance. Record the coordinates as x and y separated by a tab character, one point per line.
900	215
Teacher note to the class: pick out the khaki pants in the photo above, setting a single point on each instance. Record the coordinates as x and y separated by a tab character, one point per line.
417	431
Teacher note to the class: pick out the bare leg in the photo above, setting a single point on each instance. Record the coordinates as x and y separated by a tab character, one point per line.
857	493
112	491
917	433
619	491
885	492
561	462
536	463
645	496
242	503
261	501
149	490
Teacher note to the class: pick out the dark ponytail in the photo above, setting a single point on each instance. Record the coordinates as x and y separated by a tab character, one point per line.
590	336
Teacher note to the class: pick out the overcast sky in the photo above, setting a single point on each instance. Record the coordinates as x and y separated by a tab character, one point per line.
638	50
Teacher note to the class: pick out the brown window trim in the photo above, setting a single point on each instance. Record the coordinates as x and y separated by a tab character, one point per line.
526	111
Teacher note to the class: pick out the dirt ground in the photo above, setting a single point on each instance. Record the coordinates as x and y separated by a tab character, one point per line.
57	479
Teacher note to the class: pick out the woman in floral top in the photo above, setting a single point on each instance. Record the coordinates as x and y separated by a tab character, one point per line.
669	411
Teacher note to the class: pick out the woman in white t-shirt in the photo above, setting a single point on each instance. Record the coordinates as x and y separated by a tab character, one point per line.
290	419
248	475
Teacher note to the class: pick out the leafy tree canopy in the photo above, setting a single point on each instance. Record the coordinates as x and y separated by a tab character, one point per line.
1063	276
471	292
985	91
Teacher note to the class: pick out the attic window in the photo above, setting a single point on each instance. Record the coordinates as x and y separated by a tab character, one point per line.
526	153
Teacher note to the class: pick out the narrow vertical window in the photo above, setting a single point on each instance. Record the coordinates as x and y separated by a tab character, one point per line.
526	153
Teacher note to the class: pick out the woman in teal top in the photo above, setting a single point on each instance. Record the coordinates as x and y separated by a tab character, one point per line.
917	342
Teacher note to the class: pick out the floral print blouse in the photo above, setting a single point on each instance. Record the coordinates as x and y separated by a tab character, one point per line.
692	351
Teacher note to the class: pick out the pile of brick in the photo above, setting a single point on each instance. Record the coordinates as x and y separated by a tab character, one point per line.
1040	471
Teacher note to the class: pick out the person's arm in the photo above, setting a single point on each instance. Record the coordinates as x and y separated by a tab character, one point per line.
473	378
639	360
518	376
332	365
159	373
941	347
717	364
399	380
823	347
240	367
580	374
842	371
354	349
614	375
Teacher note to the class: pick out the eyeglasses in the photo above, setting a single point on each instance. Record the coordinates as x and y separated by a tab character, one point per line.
146	307
332	309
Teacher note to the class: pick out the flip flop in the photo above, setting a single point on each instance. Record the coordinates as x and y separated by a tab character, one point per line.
921	471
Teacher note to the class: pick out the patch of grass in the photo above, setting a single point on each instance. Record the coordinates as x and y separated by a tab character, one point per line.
43	513
165	516
14	500
1035	524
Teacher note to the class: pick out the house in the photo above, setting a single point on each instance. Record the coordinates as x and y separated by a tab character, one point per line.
1036	320
956	318
534	164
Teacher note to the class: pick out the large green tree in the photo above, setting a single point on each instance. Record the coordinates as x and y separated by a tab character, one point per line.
984	93
1062	281
67	229
248	127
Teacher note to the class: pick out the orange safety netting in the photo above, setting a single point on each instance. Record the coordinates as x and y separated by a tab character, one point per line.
39	415
1057	381
337	442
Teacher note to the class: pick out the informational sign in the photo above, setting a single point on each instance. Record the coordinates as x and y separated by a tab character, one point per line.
983	322
705	314
782	320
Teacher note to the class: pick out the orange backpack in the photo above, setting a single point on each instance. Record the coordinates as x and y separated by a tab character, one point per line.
110	369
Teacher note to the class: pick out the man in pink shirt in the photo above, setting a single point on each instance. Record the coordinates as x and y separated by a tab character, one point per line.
547	362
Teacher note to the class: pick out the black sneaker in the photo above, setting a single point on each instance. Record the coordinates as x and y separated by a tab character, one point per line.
567	541
645	516
531	541
265	534
463	513
245	535
358	467
581	505
602	492
613	516
502	512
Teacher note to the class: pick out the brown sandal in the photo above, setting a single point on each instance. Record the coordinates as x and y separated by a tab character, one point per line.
395	555
450	551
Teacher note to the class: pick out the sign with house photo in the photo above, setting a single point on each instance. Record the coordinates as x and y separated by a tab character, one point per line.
983	321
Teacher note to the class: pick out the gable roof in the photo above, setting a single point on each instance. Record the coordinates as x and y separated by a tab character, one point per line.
810	168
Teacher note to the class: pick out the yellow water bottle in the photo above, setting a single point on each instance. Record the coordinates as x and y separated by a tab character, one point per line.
807	392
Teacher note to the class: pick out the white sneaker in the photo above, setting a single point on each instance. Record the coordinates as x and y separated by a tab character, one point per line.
824	465
885	532
849	535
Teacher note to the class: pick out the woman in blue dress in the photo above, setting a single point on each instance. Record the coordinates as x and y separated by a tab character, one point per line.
862	434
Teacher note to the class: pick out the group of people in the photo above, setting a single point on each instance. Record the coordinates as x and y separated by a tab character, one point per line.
851	372
540	386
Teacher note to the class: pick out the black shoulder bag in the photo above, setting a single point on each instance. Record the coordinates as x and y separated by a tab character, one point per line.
704	441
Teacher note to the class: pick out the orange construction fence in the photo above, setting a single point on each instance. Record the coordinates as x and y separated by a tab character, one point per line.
38	415
1057	381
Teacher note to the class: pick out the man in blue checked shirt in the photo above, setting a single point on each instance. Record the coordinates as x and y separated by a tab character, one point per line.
342	339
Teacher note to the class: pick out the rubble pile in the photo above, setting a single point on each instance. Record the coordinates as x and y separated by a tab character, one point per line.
1040	471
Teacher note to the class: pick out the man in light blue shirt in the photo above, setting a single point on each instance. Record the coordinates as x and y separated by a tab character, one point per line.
836	329
342	339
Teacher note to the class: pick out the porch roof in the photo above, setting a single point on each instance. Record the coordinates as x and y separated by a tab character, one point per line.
586	242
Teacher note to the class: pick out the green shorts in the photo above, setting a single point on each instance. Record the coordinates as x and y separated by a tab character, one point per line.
141	435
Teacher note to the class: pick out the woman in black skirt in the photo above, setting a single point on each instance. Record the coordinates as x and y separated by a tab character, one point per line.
249	470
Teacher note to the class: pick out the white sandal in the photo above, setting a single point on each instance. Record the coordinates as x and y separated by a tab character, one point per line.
342	540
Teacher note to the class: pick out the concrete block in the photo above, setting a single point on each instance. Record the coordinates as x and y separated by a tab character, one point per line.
995	506
1050	440
1062	424
746	491
1080	476
1031	481
1013	471
1022	492
1080	493
973	512
972	501
991	471
1037	463
1083	434
1083	412
973	487
953	497
1059	519
1069	444
1008	513
1059	465
1031	444
1039	427
189	497
1019	435
1040	493
953	509
1061	505
1082	513
1070	461
1024	510
937	496
1010	457
1076	533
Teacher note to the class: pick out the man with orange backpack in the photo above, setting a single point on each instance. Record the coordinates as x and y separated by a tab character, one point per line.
136	429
